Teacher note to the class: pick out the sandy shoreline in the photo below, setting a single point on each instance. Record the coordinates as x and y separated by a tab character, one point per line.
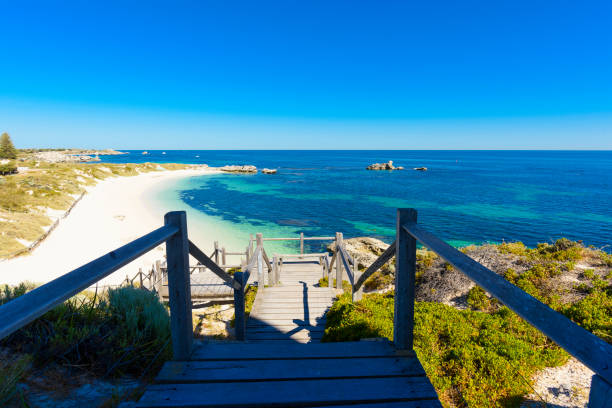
112	213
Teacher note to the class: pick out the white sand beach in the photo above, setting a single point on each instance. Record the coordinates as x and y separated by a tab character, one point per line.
112	213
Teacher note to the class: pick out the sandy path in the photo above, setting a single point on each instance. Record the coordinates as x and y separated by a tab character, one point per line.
113	213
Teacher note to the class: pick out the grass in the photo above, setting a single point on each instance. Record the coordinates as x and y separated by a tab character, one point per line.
25	197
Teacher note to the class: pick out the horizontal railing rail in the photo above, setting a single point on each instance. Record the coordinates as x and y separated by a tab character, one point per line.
26	308
592	351
212	266
375	266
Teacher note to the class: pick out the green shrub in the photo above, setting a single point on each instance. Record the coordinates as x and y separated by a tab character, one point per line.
473	358
594	313
516	248
477	299
346	285
588	273
8	168
127	331
12	371
378	280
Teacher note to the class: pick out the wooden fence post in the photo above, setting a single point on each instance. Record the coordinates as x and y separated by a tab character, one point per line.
239	312
140	275
274	280
260	273
405	258
217	252
247	254
301	243
158	281
179	287
338	262
223	258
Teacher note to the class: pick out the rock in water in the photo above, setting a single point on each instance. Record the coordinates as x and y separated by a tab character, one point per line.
421	168
269	171
239	169
383	166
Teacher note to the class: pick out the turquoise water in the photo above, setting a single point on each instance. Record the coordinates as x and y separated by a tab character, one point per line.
465	196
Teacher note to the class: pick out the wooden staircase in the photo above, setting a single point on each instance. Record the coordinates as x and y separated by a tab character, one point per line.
284	364
367	374
295	310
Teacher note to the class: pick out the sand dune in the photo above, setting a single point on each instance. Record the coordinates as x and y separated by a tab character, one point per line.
113	213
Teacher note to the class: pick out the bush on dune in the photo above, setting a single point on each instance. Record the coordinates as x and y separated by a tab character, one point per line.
125	331
472	358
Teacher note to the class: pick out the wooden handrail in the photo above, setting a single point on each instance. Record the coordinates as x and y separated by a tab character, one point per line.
211	265
298	239
344	258
592	351
376	265
26	308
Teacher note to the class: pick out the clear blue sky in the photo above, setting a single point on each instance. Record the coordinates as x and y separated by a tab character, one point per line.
307	74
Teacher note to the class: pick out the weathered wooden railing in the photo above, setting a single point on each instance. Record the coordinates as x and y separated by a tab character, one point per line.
26	308
583	345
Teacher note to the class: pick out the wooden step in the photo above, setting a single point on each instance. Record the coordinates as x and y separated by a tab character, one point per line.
287	392
215	371
267	321
245	350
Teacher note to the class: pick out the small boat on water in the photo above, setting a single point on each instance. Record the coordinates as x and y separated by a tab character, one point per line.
163	152
420	168
197	155
145	152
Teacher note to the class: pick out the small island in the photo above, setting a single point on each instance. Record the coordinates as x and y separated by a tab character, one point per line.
384	166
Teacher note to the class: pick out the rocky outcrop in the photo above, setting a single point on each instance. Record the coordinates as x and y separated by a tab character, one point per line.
384	166
239	169
61	157
364	250
269	171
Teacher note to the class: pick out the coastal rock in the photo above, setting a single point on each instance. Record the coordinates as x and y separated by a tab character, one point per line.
239	169
383	166
364	250
269	171
62	157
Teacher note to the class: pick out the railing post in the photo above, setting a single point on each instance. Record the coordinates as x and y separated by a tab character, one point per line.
179	287
140	276
239	312
601	393
405	258
247	254
251	239
274	280
223	259
217	252
301	243
260	273
338	262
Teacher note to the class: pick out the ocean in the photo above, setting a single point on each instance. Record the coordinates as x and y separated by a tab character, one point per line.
465	197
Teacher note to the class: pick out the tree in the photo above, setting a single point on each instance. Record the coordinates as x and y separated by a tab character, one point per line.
7	150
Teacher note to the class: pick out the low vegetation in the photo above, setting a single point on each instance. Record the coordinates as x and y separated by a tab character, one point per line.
479	353
249	299
125	331
26	198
